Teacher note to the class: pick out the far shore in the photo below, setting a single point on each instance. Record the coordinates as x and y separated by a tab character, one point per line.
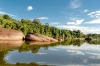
20	42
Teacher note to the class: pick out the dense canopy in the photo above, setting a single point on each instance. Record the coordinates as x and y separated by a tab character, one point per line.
35	26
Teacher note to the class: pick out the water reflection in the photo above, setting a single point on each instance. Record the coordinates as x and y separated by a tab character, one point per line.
96	42
69	52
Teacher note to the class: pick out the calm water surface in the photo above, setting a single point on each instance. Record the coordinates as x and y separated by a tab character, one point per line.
68	53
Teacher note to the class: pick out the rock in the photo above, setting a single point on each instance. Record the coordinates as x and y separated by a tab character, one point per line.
38	43
40	38
10	44
10	34
59	39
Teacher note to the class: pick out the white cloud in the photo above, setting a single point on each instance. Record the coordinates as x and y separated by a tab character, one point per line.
41	62
75	4
41	18
75	52
95	14
73	65
29	8
95	57
53	49
92	53
73	18
6	58
2	13
95	21
54	23
71	23
94	65
83	29
86	10
84	47
77	22
73	27
41	53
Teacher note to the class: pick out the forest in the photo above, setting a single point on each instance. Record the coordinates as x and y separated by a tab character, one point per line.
35	26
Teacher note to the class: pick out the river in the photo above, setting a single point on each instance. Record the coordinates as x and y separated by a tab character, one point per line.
66	53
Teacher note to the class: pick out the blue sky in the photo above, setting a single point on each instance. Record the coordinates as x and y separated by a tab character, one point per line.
81	15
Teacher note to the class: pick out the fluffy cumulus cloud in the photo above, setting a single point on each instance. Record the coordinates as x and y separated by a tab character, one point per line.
96	17
75	4
84	46
75	52
77	22
86	54
95	14
95	21
42	18
76	26
83	29
84	49
29	8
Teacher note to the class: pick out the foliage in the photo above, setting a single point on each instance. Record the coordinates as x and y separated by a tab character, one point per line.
35	26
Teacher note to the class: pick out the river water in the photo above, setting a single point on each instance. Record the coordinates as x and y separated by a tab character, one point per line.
67	53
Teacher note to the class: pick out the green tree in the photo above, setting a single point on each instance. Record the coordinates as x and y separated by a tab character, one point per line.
5	16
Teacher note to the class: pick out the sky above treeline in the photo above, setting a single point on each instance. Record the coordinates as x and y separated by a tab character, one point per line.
81	15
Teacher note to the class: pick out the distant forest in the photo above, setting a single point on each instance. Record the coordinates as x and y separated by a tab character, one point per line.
35	26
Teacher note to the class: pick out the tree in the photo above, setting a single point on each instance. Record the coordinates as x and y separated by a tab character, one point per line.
35	26
36	21
5	16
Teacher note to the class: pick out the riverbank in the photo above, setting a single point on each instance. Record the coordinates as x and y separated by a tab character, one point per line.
10	35
16	35
39	38
35	38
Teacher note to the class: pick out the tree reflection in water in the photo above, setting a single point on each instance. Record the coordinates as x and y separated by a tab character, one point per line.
35	49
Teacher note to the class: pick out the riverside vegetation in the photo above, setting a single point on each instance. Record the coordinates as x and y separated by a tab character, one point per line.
30	53
35	26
